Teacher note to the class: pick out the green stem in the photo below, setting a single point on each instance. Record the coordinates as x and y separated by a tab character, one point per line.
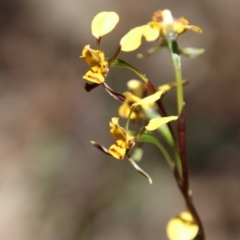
98	40
128	118
181	163
176	59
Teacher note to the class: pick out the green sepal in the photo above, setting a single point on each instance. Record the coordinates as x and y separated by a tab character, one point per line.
191	52
150	52
141	171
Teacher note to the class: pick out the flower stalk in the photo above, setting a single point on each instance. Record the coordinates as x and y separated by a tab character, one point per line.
176	59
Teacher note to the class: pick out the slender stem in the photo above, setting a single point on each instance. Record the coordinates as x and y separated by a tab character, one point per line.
189	202
128	118
176	59
114	57
182	146
184	185
98	42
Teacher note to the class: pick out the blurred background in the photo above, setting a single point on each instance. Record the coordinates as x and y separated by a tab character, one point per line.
53	184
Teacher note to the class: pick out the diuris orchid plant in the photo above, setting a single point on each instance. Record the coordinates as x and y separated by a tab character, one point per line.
142	105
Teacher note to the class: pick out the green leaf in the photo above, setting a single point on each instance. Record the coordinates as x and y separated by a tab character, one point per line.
147	138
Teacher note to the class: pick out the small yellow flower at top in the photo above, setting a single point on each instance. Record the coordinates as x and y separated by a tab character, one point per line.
99	66
167	26
124	140
102	24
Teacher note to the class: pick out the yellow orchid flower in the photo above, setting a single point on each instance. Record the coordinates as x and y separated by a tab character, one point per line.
124	140
99	66
137	87
167	26
138	90
102	24
125	108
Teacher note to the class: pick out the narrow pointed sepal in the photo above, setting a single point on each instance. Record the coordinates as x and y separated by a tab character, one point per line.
100	147
142	172
114	94
191	52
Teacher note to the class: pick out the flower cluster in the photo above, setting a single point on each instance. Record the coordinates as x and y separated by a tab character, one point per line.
142	103
162	26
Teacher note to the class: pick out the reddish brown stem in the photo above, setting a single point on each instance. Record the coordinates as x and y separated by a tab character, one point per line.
182	146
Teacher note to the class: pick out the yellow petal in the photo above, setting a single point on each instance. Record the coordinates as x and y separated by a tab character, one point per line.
195	28
155	123
151	34
134	84
93	57
116	130
103	23
118	150
94	77
182	227
183	21
114	121
132	40
124	111
150	99
131	98
136	87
